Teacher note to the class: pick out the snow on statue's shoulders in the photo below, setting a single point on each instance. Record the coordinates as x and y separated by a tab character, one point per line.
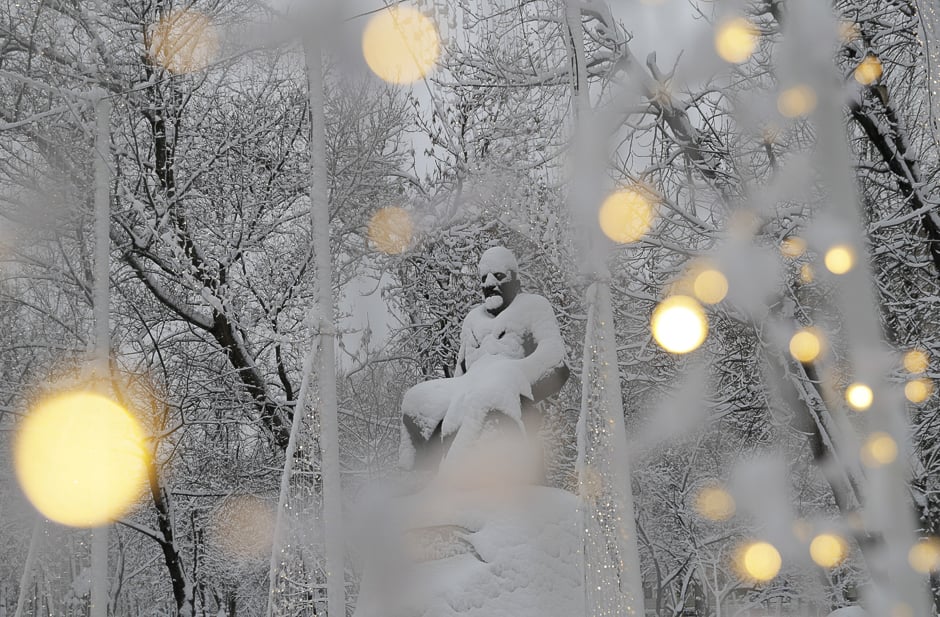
524	310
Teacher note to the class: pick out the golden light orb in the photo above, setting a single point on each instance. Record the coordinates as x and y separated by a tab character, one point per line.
759	561
736	39
243	526
391	230
925	556
401	45
714	503
859	396
880	449
868	71
793	246
806	273
796	101
679	324
81	459
806	345
626	216
828	550
710	286
918	390
183	41
848	31
916	361
839	259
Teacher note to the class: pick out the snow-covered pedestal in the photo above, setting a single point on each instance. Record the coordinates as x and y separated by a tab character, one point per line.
510	552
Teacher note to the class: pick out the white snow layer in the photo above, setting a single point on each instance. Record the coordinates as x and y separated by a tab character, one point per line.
498	259
510	553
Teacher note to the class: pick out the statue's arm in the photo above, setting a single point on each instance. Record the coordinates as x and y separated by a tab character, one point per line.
546	366
461	367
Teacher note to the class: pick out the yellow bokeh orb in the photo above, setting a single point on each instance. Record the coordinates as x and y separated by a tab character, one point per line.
243	526
868	71
806	345
183	41
793	246
81	459
401	45
736	39
626	216
710	286
916	361
880	449
391	230
796	101
679	324
828	550
839	259
714	503
859	396
925	556
918	390
759	561
806	273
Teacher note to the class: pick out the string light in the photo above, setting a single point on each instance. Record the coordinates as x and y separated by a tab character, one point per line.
626	216
793	247
828	550
391	230
916	361
924	556
736	39
859	396
796	101
758	561
806	345
880	449
714	503
918	390
679	324
839	259
868	71
710	286
183	41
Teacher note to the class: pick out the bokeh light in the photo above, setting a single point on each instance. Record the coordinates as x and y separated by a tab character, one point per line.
81	459
391	230
859	396
736	39
183	41
710	286
839	259
243	526
796	101
916	361
880	449
625	216
401	45
793	246
868	71
758	561
918	390
806	345
806	273
925	556
714	503
828	550
679	324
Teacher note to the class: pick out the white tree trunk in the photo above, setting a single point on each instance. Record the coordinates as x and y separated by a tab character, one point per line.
604	467
326	362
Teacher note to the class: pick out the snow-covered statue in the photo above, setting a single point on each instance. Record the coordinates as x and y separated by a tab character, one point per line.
511	357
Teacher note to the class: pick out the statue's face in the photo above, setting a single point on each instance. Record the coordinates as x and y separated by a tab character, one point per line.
499	280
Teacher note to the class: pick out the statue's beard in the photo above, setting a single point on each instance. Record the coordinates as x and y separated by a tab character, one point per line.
496	298
493	303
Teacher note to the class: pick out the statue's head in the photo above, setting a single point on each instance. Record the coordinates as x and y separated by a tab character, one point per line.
499	274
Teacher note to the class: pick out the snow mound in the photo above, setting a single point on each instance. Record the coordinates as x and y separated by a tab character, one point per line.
498	259
488	553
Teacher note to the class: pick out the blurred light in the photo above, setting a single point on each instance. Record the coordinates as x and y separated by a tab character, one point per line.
918	390
679	324
806	345
916	361
735	40
880	449
848	31
925	556
868	71
710	286
802	529
796	101
793	246
839	259
625	216
806	273
859	396
714	503
828	550
183	41
401	45
243	526
759	561
902	609
81	459
391	229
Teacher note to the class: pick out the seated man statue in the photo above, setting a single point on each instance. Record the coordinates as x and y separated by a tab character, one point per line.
511	357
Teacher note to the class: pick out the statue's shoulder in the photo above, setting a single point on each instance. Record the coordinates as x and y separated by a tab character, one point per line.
533	302
477	314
